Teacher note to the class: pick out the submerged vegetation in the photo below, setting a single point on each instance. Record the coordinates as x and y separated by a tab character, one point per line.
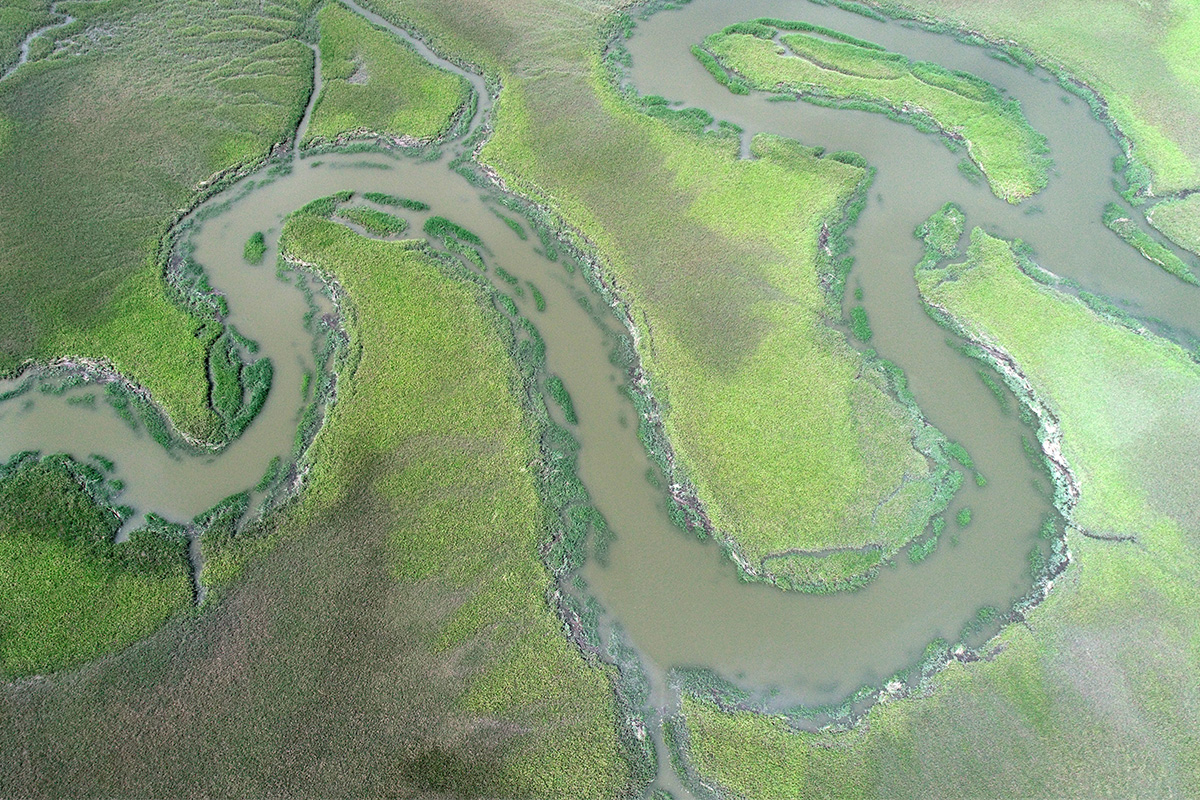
828	67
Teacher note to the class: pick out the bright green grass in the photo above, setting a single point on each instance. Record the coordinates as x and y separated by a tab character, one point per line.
1094	696
788	447
67	593
1142	60
101	147
1118	221
1179	221
373	221
942	231
1126	402
373	82
998	138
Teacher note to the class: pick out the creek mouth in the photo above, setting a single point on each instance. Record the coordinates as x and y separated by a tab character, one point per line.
677	599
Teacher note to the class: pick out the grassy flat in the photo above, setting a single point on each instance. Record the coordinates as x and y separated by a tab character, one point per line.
1179	221
1089	694
375	82
1121	398
1141	61
67	594
999	139
99	148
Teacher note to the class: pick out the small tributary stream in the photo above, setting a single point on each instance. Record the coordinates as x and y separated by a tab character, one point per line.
679	599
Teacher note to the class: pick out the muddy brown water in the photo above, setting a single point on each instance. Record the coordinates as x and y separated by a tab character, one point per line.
679	599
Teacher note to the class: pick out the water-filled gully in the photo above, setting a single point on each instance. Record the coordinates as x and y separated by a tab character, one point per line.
677	598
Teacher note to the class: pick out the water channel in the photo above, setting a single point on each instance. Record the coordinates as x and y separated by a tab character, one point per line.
679	599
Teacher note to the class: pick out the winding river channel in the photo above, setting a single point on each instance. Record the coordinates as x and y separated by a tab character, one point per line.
678	599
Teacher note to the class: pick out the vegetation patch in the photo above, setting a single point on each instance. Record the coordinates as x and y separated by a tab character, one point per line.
943	231
558	393
373	221
67	592
854	74
239	389
442	228
255	249
825	572
860	327
398	202
1119	222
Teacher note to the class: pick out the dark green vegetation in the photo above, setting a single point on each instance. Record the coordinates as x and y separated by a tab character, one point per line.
558	393
67	593
373	221
376	84
238	389
102	144
397	639
1094	692
255	249
442	228
1118	221
831	68
859	325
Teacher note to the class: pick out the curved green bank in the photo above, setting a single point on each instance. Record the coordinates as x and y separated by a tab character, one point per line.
826	67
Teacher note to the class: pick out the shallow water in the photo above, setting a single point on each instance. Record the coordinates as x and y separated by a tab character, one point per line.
679	599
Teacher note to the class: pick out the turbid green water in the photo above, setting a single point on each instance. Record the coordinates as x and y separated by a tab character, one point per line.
678	599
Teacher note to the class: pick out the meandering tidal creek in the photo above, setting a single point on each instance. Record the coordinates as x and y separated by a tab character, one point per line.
677	599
